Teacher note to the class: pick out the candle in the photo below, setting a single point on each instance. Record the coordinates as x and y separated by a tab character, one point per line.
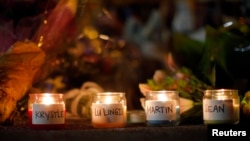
162	108
136	117
46	111
221	106
108	110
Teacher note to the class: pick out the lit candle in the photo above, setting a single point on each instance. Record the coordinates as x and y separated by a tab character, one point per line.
109	110
221	106
162	108
46	111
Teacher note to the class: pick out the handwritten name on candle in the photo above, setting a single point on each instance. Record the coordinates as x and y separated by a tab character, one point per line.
108	112
215	108
49	114
160	109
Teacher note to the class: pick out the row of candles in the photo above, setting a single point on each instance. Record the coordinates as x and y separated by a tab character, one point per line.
109	110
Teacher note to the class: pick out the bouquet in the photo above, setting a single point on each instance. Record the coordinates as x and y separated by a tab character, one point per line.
190	90
31	58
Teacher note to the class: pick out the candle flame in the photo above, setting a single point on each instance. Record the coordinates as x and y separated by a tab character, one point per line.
162	97
47	99
108	100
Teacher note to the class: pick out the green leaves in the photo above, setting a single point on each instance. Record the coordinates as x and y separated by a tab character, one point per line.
219	49
186	51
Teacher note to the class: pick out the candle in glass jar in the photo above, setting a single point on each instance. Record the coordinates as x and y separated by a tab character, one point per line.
221	106
108	110
162	108
46	111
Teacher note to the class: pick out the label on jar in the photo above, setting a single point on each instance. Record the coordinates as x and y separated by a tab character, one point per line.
48	114
218	109
108	113
160	110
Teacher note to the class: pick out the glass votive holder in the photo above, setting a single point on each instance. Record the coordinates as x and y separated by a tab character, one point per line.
136	117
108	110
162	108
221	106
46	111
